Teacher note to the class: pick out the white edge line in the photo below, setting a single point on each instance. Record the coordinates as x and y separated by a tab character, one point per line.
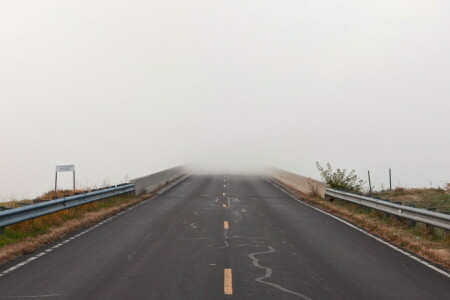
172	184
365	232
44	252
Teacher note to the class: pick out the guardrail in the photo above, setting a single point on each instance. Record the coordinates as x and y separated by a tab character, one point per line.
421	215
17	215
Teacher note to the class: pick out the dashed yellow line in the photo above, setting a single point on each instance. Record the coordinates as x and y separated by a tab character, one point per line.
225	225
227	282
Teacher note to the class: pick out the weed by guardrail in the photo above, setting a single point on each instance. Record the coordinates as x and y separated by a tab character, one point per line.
340	180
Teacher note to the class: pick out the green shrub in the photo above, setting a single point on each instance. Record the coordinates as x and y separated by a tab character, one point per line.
340	180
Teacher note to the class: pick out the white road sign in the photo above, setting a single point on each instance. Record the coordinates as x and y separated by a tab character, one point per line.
65	168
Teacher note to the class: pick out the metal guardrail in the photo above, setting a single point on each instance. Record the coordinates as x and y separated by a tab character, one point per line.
411	213
20	214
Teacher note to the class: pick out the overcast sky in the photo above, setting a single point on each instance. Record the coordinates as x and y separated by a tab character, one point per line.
127	88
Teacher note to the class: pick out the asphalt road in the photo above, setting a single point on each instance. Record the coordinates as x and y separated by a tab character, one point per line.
221	237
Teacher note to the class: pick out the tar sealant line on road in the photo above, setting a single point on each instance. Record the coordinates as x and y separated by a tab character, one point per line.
365	232
268	272
225	235
25	262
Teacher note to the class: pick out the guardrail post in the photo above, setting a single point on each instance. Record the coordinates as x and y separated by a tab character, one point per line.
411	223
385	214
2	229
397	217
430	228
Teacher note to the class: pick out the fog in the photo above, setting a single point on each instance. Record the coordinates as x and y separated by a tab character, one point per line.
122	89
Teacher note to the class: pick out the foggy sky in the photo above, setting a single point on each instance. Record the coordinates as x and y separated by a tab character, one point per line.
127	88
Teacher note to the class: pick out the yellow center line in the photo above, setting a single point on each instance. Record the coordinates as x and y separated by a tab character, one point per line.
227	282
225	225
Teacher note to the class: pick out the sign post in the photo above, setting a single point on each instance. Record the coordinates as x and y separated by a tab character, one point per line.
64	168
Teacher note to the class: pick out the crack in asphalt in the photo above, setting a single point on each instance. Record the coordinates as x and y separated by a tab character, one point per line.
133	253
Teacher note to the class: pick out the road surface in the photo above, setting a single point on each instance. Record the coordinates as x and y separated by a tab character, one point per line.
221	237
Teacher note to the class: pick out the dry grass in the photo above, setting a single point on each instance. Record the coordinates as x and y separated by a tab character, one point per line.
50	195
58	194
436	198
431	243
15	203
24	238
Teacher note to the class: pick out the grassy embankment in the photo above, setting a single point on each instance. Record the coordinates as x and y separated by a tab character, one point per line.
50	195
427	198
426	241
25	237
